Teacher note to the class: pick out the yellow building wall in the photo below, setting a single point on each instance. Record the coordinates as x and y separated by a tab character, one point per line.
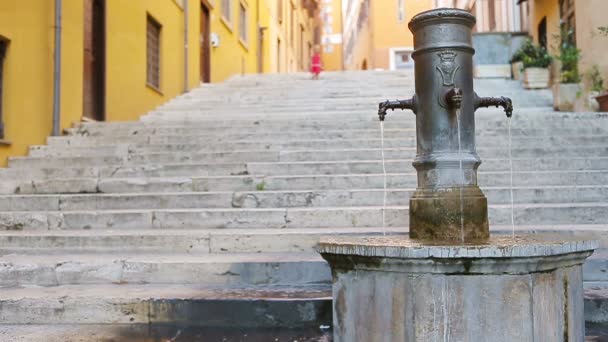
28	78
384	31
28	66
127	94
591	14
550	9
332	61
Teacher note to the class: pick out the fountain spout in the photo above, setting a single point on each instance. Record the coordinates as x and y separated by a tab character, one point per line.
502	101
453	98
383	107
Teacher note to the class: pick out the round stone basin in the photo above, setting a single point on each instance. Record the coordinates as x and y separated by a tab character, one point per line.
522	288
496	247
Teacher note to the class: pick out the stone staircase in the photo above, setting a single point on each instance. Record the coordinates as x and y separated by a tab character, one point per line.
206	211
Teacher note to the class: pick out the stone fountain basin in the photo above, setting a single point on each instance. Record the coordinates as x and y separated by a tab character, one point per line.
522	288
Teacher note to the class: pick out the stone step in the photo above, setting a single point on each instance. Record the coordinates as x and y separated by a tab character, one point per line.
224	269
145	180
596	305
163	332
184	305
140	149
292	168
367	131
293	268
286	155
280	218
203	241
183	241
487	120
284	198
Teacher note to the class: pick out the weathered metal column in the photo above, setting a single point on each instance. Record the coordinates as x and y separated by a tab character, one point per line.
447	205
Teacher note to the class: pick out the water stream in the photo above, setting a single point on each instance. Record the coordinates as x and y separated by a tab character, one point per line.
511	175
462	182
384	178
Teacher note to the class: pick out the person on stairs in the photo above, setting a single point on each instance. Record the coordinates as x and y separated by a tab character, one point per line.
315	65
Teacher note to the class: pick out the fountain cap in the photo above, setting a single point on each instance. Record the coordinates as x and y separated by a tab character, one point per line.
441	14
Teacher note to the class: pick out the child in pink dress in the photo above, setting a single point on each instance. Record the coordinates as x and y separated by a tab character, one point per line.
315	65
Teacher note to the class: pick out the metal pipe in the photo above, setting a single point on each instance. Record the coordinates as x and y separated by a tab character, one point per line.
57	70
186	21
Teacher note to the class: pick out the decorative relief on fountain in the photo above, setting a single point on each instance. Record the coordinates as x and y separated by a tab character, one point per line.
447	67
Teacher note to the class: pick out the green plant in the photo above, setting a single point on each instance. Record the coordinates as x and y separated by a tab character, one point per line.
603	30
533	56
569	56
261	186
523	50
597	82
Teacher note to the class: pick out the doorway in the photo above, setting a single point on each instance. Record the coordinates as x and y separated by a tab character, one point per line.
205	46
94	60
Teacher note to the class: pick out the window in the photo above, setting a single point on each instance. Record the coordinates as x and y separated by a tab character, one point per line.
243	23
153	53
3	46
227	10
400	10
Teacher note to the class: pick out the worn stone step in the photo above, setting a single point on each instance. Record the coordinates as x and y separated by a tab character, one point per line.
349	121
185	305
139	181
596	305
140	149
371	132
284	198
126	268
291	168
245	218
162	332
289	155
186	241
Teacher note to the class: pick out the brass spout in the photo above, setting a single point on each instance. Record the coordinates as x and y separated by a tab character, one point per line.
502	101
453	98
383	107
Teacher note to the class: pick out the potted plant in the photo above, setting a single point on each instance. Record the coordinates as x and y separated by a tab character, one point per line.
517	65
598	84
602	100
567	89
596	87
536	61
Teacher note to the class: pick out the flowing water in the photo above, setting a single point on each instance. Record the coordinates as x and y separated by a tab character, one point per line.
511	174
384	178
462	182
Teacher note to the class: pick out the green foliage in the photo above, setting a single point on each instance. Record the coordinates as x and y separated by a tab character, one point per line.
603	30
522	51
533	56
597	82
569	56
261	186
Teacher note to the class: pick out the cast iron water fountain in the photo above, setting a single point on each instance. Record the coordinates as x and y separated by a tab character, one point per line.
451	281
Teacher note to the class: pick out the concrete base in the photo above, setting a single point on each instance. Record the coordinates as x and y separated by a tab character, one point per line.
449	216
395	289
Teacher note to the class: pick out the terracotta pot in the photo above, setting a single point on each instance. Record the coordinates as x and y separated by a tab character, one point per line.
536	78
603	101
